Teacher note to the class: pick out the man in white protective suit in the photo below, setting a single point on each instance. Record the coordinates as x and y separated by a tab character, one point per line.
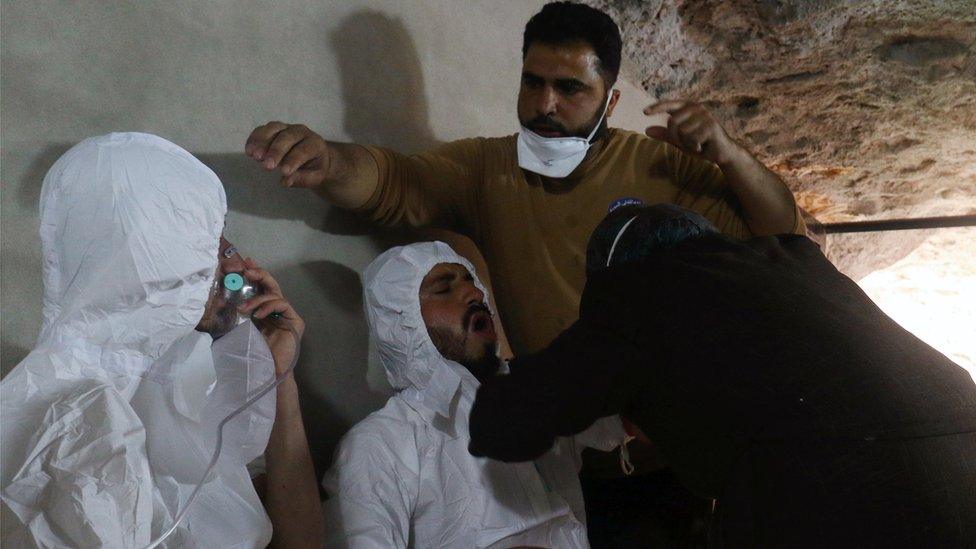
110	423
403	476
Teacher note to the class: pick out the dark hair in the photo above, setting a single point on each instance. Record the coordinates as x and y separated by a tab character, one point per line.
651	228
564	22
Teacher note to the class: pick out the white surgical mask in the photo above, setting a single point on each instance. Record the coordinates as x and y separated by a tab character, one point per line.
554	157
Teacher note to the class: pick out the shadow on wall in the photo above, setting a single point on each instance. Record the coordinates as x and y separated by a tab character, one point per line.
335	351
382	83
29	193
10	356
16	265
385	104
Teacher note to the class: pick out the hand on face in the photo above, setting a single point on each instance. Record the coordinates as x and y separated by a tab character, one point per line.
274	315
220	316
692	129
301	155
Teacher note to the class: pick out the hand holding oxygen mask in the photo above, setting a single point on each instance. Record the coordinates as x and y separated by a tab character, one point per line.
274	315
249	290
241	287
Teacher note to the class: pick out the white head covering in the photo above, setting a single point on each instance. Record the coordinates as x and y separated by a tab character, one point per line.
404	476
392	300
130	228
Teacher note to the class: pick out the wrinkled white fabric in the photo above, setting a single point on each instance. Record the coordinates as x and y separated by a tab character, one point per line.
403	476
107	423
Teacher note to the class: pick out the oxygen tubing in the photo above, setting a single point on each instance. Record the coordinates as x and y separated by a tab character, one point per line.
220	441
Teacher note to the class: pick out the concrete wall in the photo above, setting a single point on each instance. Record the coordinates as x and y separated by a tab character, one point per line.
405	74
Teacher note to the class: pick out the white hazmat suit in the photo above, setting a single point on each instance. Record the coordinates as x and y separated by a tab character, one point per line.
403	476
109	423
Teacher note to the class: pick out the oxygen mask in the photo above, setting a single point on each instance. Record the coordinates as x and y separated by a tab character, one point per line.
235	288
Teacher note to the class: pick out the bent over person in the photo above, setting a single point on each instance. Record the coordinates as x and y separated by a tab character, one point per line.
769	381
403	476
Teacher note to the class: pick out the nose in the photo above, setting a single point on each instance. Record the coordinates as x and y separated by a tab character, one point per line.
547	102
472	295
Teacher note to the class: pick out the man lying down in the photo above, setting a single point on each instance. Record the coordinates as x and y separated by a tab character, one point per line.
403	476
769	380
109	424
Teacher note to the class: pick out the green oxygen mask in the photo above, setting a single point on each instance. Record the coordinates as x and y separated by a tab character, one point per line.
237	289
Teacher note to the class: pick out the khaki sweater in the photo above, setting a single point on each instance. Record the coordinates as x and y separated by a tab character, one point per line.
533	232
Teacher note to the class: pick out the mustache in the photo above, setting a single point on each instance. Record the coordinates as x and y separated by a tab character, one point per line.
546	123
472	310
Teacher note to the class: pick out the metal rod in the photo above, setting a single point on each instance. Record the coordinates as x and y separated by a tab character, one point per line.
901	224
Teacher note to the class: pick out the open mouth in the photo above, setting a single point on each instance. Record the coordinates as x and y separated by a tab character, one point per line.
480	323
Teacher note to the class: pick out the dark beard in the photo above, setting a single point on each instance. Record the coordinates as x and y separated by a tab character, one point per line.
550	124
219	318
226	320
485	367
452	348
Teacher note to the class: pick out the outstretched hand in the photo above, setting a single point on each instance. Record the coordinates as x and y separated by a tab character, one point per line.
302	156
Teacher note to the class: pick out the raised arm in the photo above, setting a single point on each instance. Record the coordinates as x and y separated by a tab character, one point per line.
767	204
435	188
291	495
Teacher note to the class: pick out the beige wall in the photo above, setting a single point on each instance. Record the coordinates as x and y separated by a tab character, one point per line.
405	74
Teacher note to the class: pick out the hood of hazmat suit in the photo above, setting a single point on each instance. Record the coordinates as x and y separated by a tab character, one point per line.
404	476
110	422
411	361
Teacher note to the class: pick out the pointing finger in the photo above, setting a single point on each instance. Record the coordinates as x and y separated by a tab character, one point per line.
664	106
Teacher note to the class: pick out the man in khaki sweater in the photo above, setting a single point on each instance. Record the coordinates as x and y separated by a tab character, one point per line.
530	200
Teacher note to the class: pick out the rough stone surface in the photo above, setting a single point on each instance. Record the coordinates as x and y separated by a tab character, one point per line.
866	108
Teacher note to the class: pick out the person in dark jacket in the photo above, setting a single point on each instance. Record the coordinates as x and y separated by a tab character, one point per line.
768	379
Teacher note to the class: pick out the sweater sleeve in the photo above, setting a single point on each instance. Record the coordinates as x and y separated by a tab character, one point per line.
438	188
702	188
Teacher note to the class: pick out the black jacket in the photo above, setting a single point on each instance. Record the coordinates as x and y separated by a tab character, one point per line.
771	382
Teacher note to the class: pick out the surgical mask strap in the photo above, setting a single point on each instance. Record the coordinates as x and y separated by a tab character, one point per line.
617	238
602	116
220	440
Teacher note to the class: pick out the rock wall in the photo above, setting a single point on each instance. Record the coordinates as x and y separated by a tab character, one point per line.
867	109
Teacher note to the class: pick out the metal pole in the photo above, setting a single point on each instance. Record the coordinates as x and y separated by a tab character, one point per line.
900	224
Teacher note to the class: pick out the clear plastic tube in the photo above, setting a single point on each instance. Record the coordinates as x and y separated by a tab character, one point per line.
220	442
